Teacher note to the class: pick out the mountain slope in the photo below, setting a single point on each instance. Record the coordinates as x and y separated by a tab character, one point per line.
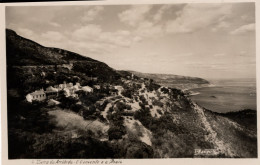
143	120
22	51
27	61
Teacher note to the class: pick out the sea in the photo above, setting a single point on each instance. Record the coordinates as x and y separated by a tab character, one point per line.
227	95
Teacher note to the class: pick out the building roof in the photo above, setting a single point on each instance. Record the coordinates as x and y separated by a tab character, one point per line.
51	89
118	87
38	92
96	86
76	87
86	88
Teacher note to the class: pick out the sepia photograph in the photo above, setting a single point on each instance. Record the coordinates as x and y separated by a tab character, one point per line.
131	81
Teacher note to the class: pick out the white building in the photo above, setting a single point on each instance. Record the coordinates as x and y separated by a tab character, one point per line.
78	84
97	86
87	89
52	89
119	88
36	95
67	92
62	86
65	85
70	85
51	92
68	66
76	87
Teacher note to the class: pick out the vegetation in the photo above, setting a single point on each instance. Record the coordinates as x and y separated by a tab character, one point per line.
117	129
35	131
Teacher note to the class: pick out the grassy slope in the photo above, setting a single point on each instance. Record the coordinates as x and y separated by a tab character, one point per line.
239	137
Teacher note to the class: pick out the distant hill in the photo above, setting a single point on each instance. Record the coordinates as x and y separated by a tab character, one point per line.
174	81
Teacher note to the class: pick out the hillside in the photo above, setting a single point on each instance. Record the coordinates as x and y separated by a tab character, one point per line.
126	117
27	61
24	52
174	81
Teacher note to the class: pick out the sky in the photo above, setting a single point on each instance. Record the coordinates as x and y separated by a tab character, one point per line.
214	40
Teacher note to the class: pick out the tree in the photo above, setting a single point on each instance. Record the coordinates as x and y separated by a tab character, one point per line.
127	93
116	132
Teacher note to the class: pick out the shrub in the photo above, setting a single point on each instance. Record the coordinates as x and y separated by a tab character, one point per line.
157	103
159	111
138	129
141	105
164	90
128	113
103	106
142	98
76	107
128	107
101	118
88	113
121	106
89	98
116	132
152	86
67	102
110	109
127	93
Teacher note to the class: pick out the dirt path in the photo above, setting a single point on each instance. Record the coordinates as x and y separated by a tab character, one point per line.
212	136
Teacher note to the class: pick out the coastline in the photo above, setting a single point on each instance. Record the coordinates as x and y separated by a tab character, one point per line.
219	98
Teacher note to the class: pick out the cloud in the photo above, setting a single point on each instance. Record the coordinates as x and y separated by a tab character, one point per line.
223	24
26	32
246	54
219	67
92	13
96	39
137	39
158	16
186	54
197	16
54	24
90	32
134	15
86	39
52	39
244	17
219	55
244	29
242	53
119	38
89	47
146	25
94	33
149	29
52	36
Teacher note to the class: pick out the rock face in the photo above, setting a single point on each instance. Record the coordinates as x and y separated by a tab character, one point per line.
143	120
